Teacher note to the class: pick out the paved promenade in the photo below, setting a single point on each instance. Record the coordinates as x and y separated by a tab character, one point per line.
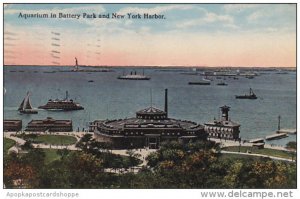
143	152
227	143
258	155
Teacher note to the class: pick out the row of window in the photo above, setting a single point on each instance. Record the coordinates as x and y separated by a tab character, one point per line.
142	133
221	135
151	117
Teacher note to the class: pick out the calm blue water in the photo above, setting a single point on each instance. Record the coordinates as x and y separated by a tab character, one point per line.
108	97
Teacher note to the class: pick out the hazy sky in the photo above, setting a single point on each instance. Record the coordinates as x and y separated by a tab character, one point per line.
190	35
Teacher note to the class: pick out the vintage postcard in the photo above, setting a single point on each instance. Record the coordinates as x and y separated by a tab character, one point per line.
150	96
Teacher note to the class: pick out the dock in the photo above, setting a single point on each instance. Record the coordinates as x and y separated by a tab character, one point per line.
288	131
257	140
276	136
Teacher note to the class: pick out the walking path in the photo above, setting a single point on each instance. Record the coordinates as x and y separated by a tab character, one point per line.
259	155
20	141
12	135
228	143
143	152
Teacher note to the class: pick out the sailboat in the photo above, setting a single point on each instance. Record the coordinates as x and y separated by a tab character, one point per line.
25	107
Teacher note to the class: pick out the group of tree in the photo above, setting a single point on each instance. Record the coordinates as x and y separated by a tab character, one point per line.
292	145
174	165
102	150
198	165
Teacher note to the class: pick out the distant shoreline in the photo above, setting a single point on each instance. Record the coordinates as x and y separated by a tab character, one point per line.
166	67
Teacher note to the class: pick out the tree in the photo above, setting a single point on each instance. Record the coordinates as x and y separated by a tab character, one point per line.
19	173
63	153
292	145
133	158
35	157
85	141
76	170
153	159
27	145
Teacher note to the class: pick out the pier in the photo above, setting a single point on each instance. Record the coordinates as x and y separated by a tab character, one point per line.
287	131
257	140
276	136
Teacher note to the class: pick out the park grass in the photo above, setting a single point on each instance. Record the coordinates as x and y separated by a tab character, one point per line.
228	156
51	155
265	151
50	139
56	139
8	143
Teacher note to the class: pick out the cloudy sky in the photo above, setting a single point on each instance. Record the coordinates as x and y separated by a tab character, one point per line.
190	35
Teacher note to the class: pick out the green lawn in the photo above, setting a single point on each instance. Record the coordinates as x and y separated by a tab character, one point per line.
236	156
56	139
51	155
270	152
8	143
50	139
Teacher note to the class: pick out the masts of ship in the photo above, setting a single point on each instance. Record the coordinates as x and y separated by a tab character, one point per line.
166	101
67	96
251	92
279	122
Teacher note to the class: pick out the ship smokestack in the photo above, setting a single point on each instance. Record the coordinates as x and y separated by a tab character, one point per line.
166	101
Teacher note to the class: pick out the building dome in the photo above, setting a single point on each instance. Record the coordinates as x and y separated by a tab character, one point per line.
151	113
149	128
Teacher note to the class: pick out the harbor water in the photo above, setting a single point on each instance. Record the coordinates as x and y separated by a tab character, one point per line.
107	97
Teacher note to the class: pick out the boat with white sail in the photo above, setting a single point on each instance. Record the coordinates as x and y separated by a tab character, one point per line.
25	107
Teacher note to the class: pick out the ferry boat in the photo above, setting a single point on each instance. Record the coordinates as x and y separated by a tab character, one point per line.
134	76
199	83
251	95
25	107
62	105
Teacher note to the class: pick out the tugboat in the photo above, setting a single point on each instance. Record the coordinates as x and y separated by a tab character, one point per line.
62	105
25	107
222	84
134	76
251	95
199	83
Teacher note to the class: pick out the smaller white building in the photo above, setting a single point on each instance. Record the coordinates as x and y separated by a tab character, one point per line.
223	128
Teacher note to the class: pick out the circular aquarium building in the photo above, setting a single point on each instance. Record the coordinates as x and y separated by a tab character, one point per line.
149	128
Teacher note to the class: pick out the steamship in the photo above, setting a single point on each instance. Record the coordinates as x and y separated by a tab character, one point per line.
63	105
251	95
134	76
